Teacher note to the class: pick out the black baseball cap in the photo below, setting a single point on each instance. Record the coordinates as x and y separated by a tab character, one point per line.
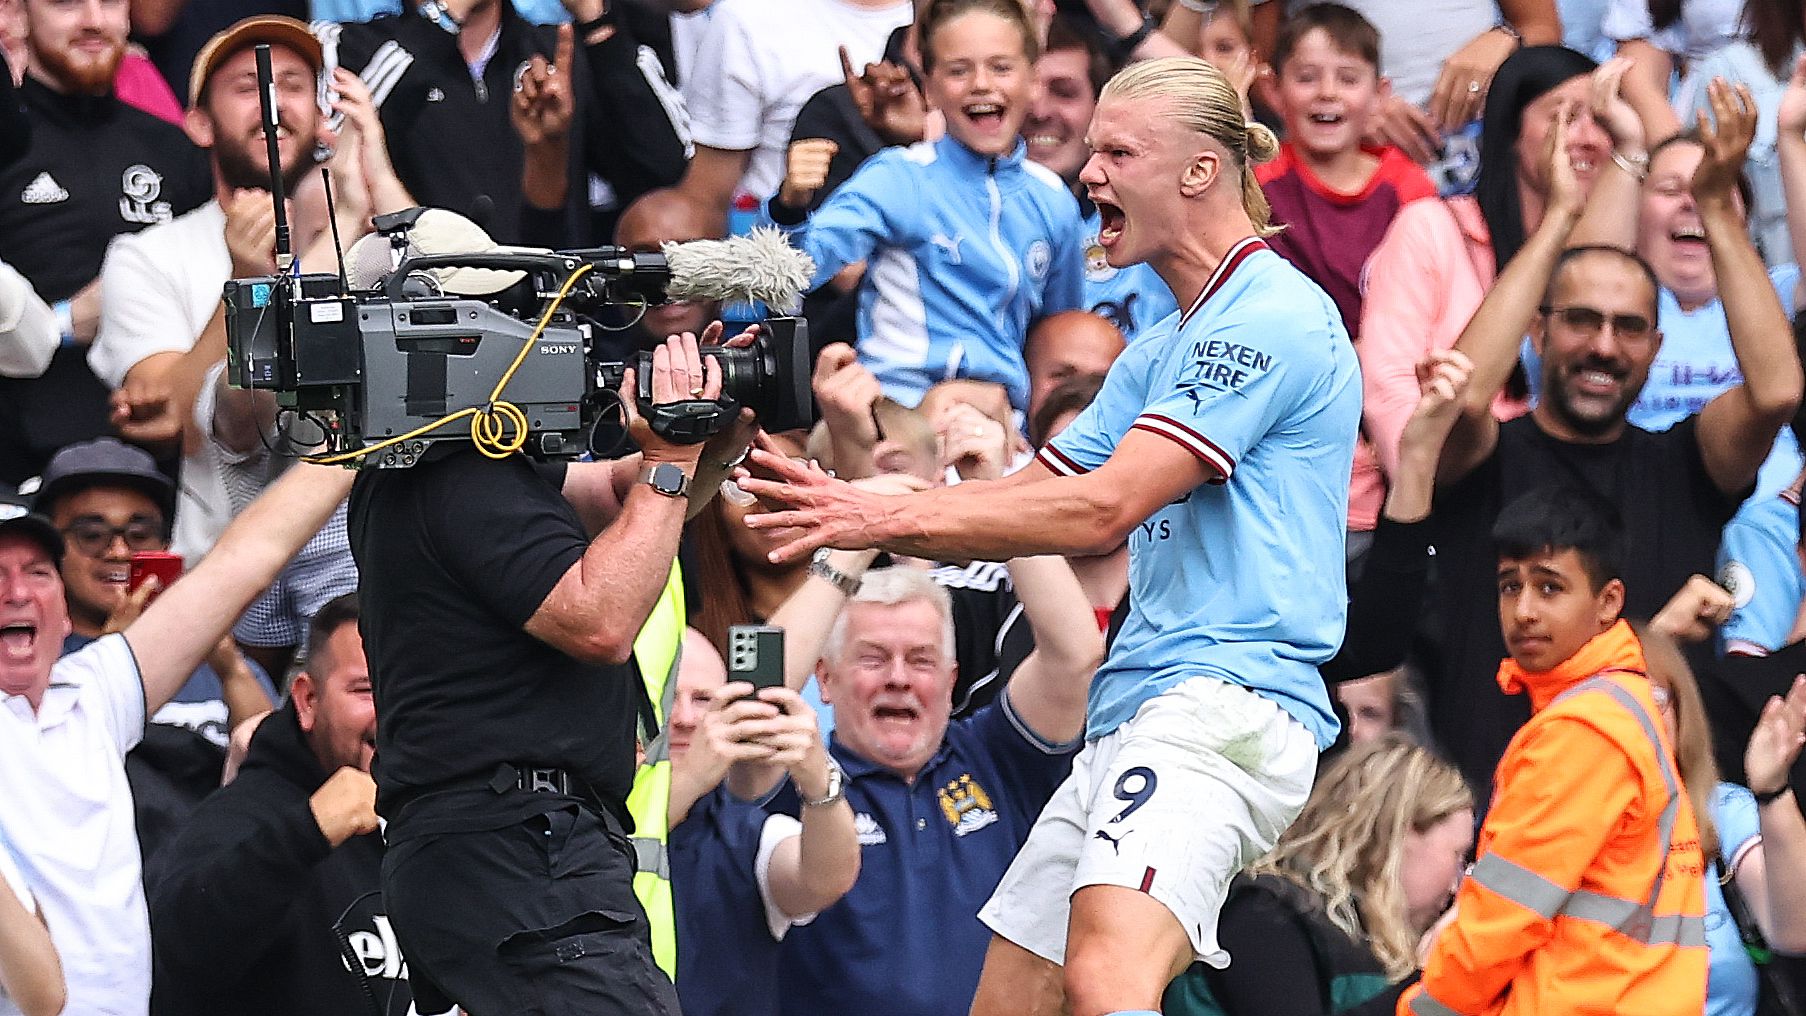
17	517
103	462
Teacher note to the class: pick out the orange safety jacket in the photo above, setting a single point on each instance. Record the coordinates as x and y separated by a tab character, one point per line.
1589	892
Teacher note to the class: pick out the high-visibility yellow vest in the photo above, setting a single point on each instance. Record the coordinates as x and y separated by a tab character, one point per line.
656	652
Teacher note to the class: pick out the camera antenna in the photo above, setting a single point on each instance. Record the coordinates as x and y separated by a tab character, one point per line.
332	219
266	100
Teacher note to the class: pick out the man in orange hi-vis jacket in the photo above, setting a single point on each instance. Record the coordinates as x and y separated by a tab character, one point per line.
1588	893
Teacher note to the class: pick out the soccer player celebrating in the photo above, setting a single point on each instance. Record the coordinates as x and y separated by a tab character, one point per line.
1219	448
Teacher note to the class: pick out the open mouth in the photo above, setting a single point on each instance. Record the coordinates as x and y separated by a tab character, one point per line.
1327	119
1111	222
282	133
118	576
17	640
984	114
895	714
1688	235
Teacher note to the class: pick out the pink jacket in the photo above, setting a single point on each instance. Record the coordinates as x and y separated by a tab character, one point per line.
1423	282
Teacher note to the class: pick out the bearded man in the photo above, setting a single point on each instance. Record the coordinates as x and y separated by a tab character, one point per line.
96	168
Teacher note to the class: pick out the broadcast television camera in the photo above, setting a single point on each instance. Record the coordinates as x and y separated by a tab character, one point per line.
406	343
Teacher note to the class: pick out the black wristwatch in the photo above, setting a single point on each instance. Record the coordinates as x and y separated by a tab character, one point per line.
1124	48
667	478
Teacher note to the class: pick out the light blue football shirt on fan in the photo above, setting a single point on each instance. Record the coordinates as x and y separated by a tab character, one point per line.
1240	579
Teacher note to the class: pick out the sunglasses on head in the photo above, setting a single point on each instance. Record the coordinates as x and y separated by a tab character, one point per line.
1589	320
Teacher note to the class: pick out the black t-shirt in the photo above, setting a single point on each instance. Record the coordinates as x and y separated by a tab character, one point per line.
991	636
1735	689
454	556
95	168
1673	515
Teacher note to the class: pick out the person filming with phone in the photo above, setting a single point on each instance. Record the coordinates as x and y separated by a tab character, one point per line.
501	599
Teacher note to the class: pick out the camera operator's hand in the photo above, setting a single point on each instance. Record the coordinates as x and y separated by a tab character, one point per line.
680	373
805	171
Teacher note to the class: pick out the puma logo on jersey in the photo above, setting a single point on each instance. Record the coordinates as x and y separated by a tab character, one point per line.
44	190
1114	841
948	244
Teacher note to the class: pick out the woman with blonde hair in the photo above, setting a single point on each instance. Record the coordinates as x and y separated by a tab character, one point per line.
1330	920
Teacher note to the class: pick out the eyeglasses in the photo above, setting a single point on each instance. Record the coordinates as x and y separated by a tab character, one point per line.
92	536
1589	320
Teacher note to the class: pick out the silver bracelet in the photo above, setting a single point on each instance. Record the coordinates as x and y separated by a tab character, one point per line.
821	569
1636	166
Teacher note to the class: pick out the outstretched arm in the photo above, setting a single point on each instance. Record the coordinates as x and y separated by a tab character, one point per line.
1087	514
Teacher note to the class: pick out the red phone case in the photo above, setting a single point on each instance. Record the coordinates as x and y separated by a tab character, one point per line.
167	567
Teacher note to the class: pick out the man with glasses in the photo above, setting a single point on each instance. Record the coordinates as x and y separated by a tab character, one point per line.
109	501
1591	314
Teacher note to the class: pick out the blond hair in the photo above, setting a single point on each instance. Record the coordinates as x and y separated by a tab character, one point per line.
1347	845
1200	98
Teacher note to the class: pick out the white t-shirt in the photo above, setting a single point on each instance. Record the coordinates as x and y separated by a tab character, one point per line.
29	332
67	815
758	61
1704	27
1416	37
158	289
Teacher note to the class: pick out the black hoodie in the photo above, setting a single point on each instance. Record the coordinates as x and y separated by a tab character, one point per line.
244	900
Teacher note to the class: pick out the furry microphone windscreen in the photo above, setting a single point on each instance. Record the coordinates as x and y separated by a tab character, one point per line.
760	266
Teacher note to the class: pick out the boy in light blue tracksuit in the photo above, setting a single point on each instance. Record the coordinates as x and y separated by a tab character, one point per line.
963	252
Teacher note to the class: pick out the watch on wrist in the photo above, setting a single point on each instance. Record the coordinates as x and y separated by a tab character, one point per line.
836	788
668	478
821	569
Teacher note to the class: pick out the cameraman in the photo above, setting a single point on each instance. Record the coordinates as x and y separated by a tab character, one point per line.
499	635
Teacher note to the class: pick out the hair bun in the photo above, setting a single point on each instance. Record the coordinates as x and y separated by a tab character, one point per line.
1259	142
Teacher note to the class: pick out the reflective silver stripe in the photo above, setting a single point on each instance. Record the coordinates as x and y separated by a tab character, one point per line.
658	747
1520	885
649	855
1634	920
1424	1004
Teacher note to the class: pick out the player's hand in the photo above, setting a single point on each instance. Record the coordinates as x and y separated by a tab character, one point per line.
823	511
805	171
345	805
976	446
542	106
847	393
1775	744
1726	137
680	373
1413	131
131	605
1692	614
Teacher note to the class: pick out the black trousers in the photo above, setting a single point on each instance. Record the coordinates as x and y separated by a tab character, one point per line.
533	918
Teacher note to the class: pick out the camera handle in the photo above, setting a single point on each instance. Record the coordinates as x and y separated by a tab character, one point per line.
689	422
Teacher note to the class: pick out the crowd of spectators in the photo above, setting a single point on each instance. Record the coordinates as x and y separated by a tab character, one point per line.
1560	235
